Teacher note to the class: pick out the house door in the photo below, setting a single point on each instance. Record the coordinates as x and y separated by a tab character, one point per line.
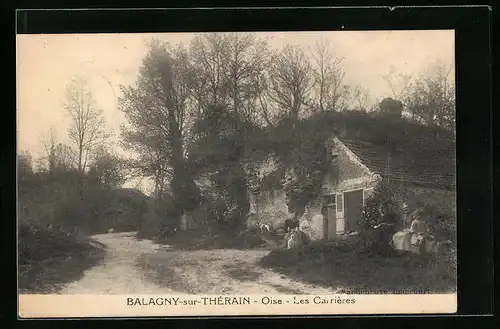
332	221
353	209
329	216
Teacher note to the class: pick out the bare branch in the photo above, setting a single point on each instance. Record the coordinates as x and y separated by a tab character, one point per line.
87	129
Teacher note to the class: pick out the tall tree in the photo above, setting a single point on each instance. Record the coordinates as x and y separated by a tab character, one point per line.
156	110
87	128
290	81
328	75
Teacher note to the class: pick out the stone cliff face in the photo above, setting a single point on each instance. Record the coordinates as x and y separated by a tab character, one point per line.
270	205
270	208
267	201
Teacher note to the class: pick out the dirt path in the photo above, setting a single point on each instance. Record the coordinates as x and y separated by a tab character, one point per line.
133	266
118	273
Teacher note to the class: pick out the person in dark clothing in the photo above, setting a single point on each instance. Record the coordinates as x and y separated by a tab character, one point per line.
388	214
388	224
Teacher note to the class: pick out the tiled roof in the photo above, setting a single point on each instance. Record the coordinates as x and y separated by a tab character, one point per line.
428	166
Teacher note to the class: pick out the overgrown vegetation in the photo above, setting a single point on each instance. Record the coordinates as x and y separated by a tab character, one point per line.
49	258
397	202
217	109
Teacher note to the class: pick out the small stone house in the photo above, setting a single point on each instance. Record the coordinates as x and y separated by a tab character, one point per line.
420	175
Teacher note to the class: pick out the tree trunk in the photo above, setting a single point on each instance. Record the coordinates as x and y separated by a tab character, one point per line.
185	192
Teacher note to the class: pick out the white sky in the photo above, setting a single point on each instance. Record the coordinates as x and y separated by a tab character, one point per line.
46	63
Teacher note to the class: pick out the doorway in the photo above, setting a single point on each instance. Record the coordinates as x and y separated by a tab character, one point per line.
353	209
329	217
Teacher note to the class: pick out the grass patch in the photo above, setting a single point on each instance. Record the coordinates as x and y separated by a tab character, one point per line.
352	267
203	240
50	259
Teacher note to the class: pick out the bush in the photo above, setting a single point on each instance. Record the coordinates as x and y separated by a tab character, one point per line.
383	197
54	201
50	258
100	208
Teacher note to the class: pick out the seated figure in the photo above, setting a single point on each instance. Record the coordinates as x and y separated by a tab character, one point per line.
419	230
416	236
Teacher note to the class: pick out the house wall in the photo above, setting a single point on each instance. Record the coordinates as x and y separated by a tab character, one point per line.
347	174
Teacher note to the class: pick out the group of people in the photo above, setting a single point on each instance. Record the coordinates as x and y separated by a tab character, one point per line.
414	229
415	225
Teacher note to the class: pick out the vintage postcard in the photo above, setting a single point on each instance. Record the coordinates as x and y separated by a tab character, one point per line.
212	174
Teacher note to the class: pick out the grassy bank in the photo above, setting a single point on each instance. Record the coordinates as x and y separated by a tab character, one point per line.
49	259
204	239
345	264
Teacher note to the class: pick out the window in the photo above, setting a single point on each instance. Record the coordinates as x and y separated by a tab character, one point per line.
329	200
340	202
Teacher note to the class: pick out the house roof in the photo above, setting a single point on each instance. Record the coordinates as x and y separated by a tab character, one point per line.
432	166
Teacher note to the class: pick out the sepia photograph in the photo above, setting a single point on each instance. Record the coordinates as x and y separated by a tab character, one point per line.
175	172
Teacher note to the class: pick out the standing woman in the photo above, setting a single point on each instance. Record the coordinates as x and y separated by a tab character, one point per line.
388	214
388	223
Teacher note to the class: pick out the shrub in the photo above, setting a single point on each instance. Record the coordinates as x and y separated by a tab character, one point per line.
383	197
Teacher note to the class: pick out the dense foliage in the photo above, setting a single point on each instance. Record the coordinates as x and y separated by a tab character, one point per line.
55	201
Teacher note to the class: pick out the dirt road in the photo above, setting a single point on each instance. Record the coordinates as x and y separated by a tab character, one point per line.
139	266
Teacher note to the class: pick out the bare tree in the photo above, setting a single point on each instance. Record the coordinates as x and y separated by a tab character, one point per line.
210	60
65	158
290	80
49	143
87	129
328	76
264	109
231	71
361	98
399	83
430	99
57	156
248	57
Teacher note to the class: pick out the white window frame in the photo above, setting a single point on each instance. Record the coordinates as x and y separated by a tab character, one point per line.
337	203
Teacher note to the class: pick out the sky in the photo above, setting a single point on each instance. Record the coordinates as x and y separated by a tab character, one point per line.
46	64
